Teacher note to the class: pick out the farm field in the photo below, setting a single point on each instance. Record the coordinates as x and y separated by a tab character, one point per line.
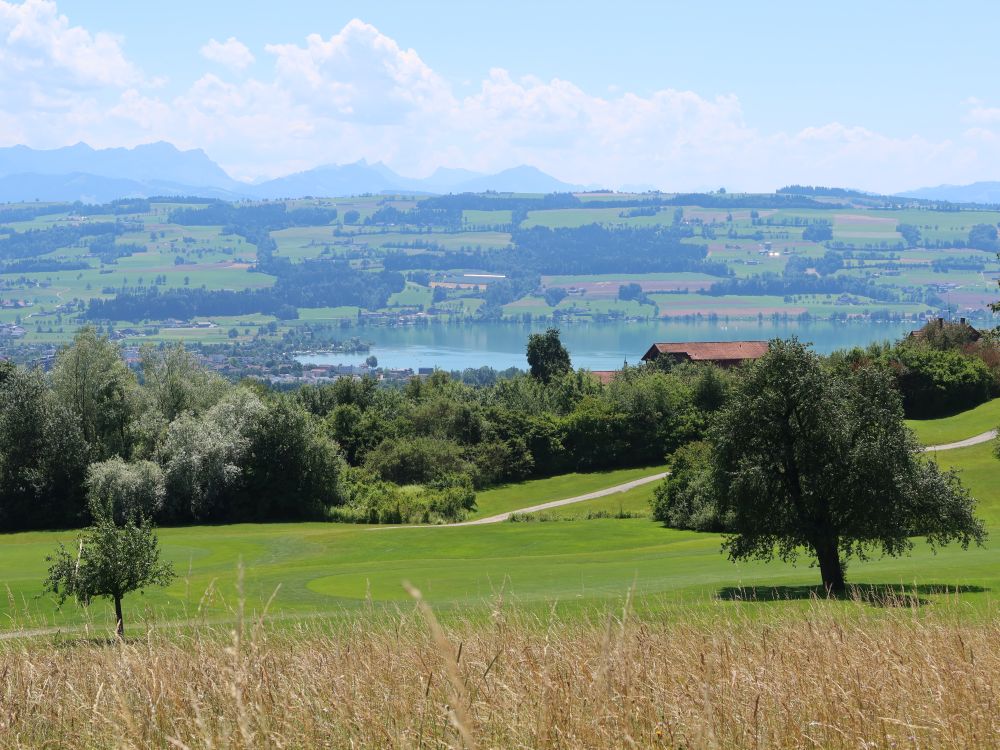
863	266
574	565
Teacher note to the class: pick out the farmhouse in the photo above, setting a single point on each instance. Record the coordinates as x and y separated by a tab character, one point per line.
722	353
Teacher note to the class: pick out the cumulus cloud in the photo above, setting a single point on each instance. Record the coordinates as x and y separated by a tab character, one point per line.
360	94
41	47
358	74
231	53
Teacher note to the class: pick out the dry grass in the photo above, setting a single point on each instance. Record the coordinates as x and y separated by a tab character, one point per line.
828	676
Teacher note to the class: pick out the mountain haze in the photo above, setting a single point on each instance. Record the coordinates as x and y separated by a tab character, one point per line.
91	175
977	192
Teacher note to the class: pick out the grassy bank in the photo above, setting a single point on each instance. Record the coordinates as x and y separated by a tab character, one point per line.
967	424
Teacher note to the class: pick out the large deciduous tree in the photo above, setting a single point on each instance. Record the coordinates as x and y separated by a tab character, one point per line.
806	456
547	357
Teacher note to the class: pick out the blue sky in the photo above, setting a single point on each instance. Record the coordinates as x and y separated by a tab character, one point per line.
678	95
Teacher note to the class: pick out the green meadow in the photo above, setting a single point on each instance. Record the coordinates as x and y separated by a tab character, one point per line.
565	558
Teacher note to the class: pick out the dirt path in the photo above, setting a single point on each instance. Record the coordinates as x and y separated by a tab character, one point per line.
568	501
984	438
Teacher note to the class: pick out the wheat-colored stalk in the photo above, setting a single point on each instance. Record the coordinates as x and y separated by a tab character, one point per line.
720	675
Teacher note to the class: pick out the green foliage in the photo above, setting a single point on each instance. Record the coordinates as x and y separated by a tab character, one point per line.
984	237
939	381
94	384
547	357
810	456
416	459
119	553
121	491
370	499
110	561
293	467
685	500
175	382
42	455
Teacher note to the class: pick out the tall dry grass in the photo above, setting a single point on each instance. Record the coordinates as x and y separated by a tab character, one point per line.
826	676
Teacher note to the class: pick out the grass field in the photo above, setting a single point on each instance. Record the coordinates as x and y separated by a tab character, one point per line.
576	565
958	427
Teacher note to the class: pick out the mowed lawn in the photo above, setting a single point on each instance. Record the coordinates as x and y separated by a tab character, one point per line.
317	569
967	424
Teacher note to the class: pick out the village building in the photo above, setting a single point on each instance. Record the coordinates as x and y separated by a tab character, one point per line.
721	353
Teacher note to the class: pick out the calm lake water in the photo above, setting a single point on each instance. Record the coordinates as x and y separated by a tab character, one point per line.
603	346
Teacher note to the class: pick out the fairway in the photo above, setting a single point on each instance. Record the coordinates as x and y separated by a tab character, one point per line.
575	565
976	421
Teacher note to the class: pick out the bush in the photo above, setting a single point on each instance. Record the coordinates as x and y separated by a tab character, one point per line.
416	460
936	382
684	499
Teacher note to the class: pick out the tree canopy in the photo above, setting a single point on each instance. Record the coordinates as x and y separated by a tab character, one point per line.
808	456
547	357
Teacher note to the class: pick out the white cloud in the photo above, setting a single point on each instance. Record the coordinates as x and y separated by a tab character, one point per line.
359	94
40	46
231	53
358	74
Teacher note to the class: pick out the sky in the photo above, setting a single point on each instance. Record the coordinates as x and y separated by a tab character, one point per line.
883	96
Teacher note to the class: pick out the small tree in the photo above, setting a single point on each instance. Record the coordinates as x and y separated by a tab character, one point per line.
119	553
806	456
547	357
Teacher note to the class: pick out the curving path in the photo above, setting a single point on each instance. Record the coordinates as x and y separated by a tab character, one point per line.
976	440
568	501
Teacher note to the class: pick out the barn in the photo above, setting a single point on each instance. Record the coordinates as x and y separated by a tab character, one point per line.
721	353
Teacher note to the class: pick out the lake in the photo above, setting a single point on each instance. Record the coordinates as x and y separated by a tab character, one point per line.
595	346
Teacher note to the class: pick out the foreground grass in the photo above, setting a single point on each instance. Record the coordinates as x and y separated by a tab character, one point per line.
967	424
826	678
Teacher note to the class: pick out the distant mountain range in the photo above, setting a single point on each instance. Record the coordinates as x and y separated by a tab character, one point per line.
977	192
99	175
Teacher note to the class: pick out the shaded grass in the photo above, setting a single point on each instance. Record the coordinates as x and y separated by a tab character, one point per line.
958	426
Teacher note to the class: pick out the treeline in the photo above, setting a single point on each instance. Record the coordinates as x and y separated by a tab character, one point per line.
35	242
350	450
802	283
310	284
590	249
117	208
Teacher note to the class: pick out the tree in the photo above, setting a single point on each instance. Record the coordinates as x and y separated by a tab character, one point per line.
547	357
176	382
806	456
93	382
983	237
119	553
42	455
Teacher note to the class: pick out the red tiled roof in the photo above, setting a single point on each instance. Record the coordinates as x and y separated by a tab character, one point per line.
700	351
604	376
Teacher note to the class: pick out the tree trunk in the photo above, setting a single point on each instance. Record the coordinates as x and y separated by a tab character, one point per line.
119	622
830	567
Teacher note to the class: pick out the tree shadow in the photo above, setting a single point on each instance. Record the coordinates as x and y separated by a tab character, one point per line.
874	594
